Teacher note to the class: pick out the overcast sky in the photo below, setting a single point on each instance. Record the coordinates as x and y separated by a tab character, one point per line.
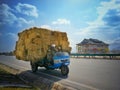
98	19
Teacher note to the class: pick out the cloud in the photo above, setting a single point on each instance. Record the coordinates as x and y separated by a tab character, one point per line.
106	8
112	18
107	23
24	21
58	24
51	27
115	45
27	9
72	44
61	22
7	17
46	26
117	41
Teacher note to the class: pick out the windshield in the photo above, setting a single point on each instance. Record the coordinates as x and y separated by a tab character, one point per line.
61	54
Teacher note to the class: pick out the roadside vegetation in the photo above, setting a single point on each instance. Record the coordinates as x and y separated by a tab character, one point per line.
12	82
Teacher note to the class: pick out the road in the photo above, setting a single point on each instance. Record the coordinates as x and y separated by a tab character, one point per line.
97	74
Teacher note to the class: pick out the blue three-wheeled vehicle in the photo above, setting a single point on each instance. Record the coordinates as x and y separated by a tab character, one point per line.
57	60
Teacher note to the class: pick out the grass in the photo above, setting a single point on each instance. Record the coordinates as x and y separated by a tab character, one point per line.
3	78
3	72
10	88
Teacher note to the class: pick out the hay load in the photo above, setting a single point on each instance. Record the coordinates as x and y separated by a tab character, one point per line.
34	43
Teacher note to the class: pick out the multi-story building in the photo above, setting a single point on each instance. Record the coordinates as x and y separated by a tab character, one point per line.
92	46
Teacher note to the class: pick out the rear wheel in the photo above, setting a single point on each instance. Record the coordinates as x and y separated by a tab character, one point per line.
64	70
34	66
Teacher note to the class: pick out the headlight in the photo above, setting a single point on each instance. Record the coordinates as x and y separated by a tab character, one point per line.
56	61
66	60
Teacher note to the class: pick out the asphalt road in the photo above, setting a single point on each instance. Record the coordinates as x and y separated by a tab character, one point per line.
97	74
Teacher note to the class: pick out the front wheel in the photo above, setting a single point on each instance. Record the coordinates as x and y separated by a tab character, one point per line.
34	67
64	70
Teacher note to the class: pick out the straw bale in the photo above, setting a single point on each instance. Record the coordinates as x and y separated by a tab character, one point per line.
34	43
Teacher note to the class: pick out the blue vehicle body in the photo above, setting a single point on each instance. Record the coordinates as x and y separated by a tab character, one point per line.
60	58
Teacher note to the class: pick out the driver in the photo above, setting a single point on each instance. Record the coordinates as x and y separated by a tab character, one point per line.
50	53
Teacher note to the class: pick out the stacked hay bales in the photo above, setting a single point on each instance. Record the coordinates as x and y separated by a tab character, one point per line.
34	43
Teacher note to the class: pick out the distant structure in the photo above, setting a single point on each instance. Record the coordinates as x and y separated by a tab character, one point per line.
92	46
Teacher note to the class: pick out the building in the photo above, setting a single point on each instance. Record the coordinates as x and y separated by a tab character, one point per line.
92	46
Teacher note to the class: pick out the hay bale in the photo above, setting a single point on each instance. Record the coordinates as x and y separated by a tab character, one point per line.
34	43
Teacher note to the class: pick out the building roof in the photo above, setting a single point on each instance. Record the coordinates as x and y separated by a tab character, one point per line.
91	41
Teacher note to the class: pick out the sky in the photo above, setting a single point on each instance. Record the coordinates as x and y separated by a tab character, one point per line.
80	19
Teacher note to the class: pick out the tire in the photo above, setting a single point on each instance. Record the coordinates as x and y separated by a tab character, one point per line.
64	70
34	67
